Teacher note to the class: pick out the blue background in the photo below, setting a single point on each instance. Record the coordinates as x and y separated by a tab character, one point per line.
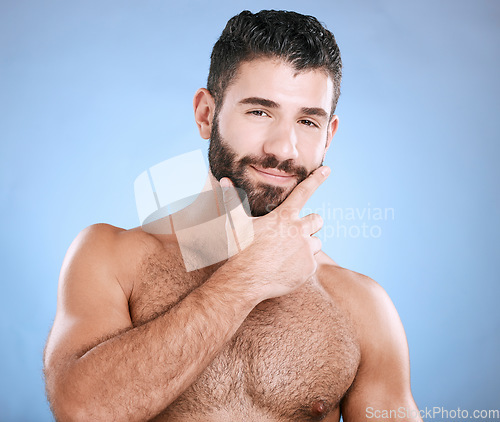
92	93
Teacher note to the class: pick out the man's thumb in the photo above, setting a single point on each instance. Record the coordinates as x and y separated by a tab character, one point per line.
229	194
238	211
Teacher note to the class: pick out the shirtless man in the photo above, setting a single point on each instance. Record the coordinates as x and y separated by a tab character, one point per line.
278	332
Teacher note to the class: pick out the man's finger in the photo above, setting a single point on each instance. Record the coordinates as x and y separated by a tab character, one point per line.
303	191
315	245
312	223
235	200
229	194
238	210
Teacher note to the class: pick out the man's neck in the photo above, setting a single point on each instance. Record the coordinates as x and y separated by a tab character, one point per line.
199	228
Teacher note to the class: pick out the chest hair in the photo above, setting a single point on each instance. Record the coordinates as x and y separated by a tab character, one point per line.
289	353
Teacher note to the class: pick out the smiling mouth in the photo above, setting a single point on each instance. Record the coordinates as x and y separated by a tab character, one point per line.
273	176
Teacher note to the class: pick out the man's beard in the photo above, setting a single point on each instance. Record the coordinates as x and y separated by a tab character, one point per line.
262	198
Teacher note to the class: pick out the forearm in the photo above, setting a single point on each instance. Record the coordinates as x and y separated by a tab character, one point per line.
136	374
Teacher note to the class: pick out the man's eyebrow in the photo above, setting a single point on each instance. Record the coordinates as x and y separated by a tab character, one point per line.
314	111
264	102
259	101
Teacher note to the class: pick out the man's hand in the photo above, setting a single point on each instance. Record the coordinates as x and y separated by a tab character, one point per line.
279	254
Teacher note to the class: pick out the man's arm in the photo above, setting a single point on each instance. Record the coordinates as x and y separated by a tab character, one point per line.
99	367
381	389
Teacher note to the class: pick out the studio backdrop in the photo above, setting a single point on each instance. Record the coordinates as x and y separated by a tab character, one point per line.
93	93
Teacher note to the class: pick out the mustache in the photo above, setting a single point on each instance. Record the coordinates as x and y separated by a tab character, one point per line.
270	161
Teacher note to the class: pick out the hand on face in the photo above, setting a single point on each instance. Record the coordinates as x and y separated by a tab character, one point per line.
276	250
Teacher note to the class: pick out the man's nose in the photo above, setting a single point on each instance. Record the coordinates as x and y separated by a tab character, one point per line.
282	142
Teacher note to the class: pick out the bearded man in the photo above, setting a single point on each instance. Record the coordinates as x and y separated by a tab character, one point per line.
277	332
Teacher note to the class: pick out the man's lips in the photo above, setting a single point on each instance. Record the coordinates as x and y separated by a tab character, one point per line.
273	176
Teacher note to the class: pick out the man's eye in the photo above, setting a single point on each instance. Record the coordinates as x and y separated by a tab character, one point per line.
308	123
259	113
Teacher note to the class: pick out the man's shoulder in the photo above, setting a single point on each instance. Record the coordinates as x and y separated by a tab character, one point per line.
362	298
112	250
112	240
340	281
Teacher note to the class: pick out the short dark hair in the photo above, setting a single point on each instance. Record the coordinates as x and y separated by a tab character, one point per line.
297	39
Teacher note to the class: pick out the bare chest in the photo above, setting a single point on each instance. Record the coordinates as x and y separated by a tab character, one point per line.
293	358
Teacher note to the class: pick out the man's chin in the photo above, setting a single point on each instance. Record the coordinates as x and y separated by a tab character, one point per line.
265	198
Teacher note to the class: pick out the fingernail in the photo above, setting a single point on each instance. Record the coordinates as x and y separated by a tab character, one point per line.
224	183
325	170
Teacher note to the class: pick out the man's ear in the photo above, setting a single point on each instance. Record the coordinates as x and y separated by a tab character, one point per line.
204	108
333	125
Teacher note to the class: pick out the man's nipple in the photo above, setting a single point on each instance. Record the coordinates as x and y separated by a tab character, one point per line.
319	409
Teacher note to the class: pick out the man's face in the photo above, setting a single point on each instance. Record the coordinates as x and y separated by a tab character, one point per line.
272	130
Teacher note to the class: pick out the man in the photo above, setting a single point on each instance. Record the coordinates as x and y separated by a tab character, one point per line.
278	332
